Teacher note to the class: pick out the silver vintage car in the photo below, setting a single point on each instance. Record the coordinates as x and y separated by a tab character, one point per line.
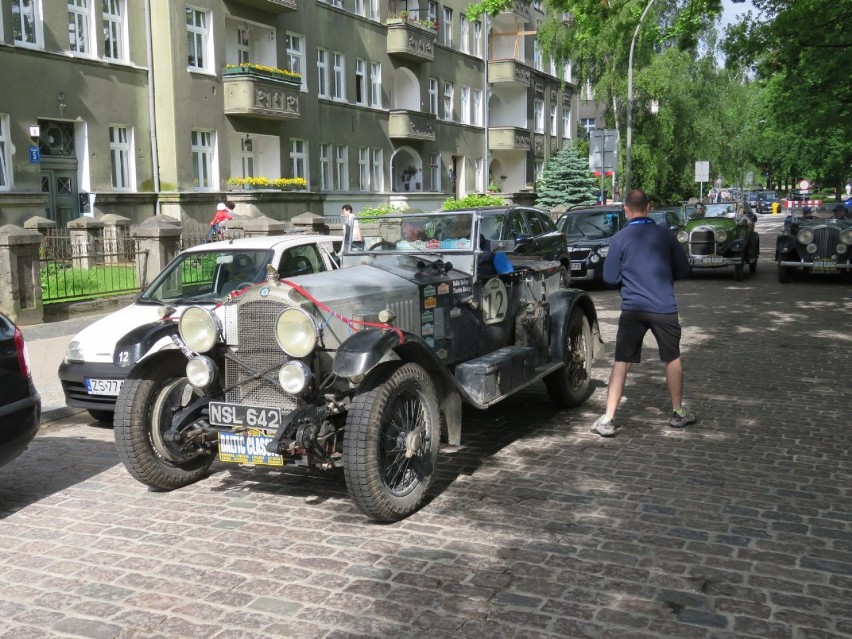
363	369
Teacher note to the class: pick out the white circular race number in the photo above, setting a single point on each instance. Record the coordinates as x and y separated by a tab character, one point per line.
495	301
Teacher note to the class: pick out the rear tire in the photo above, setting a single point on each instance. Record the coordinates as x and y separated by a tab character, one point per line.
148	399
391	444
569	386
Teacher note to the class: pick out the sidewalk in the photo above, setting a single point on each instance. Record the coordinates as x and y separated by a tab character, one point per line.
46	345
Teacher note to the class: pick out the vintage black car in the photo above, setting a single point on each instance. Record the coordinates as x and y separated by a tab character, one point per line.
365	368
20	403
721	236
589	231
814	245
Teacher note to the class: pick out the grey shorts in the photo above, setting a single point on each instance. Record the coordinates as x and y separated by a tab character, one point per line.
632	326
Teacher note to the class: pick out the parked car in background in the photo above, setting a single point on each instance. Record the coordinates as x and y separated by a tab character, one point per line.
721	236
669	218
589	231
363	369
814	245
20	403
202	275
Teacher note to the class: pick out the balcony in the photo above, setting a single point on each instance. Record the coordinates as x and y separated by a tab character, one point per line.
272	6
520	8
409	40
509	138
509	71
411	125
262	94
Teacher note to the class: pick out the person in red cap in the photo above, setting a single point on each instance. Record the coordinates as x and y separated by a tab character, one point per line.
222	214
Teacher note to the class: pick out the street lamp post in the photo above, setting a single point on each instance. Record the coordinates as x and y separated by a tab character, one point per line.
629	143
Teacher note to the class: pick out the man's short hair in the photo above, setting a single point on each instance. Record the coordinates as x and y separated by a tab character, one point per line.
347	208
637	200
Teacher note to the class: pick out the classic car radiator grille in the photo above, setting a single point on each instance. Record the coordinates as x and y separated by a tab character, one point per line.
702	242
250	332
826	240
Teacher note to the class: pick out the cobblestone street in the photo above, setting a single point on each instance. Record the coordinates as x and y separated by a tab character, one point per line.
737	526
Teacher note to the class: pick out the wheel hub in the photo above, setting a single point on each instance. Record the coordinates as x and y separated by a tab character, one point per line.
413	443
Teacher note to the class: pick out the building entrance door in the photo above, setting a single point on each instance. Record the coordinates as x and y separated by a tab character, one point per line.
59	185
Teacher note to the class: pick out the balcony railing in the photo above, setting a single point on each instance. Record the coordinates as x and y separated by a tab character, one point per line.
273	6
509	71
411	125
409	40
269	95
509	138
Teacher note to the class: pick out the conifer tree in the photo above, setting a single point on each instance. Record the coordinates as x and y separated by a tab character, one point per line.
567	180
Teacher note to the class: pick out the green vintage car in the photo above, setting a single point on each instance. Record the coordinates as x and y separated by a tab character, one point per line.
720	236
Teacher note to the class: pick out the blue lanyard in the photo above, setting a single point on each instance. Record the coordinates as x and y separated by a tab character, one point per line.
641	220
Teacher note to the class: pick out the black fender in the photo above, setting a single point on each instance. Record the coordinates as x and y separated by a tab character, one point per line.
134	345
363	350
562	304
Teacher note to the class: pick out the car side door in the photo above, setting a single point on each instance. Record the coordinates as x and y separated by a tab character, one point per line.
551	242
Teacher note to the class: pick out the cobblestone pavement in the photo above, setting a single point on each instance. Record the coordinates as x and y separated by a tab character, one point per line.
738	526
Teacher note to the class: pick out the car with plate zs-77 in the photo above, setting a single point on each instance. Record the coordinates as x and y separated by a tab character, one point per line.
363	369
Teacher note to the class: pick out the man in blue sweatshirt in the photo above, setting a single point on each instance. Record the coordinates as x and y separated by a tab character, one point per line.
643	262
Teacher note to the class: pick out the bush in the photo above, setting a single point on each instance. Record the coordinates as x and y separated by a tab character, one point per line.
472	201
382	209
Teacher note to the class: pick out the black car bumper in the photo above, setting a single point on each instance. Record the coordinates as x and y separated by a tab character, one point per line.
19	422
584	271
73	376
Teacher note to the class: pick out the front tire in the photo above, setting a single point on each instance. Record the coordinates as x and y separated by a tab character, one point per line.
784	273
391	444
149	398
753	254
738	272
569	386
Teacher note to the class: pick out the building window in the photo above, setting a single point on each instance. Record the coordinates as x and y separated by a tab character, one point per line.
537	56
538	114
247	156
554	123
447	27
432	10
433	96
377	177
296	57
337	4
364	168
435	171
478	166
341	159
464	34
588	124
477	107
464	106
119	153
298	159
322	73
114	30
538	169
338	77
361	8
360	81
376	85
197	39
5	177
477	39
203	153
448	101
26	22
374	9
566	122
79	26
243	46
325	166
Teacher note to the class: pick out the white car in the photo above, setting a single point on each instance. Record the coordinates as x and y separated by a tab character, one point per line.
202	275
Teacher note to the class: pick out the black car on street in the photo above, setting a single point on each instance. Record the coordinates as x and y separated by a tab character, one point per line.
589	231
20	404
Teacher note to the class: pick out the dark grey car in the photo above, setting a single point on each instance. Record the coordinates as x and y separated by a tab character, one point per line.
589	231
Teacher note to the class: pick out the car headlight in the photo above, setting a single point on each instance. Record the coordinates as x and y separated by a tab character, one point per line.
74	353
198	329
811	248
603	251
805	236
296	332
295	377
594	258
846	237
200	371
721	236
840	248
682	237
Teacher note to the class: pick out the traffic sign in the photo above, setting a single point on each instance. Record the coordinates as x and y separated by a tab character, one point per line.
804	185
702	171
603	149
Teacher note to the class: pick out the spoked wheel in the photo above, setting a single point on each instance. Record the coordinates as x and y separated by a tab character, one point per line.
391	444
569	386
143	414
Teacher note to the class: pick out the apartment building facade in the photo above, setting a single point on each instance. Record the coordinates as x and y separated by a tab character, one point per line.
138	107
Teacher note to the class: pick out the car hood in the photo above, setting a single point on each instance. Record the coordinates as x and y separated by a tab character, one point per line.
579	241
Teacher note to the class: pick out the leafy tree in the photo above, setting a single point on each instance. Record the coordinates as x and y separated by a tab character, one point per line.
566	180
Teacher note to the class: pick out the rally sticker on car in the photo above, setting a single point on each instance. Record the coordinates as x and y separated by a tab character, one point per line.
495	301
247	447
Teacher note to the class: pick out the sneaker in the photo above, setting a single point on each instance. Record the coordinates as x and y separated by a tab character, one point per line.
679	421
602	428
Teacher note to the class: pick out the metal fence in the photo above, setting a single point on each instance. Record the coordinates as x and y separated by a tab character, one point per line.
75	270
